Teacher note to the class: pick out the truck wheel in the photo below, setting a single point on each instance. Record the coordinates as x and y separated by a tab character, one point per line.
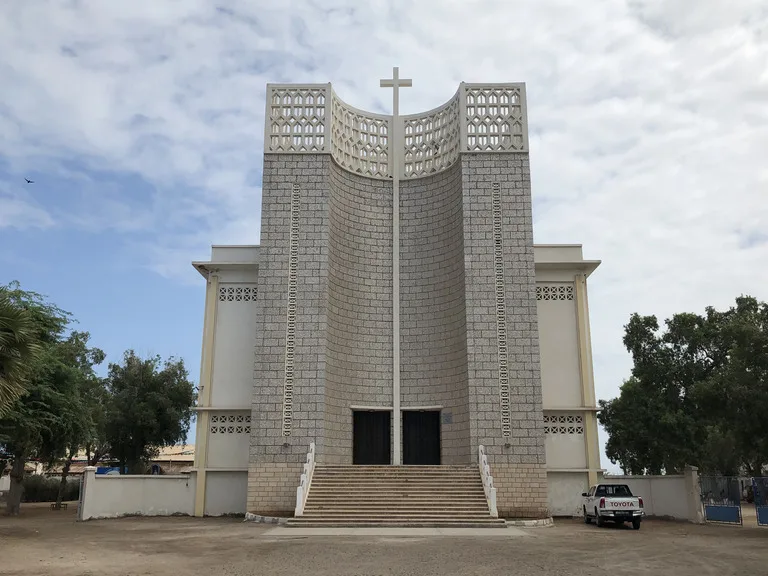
636	524
587	519
599	519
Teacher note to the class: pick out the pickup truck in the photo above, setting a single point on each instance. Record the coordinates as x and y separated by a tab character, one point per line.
613	503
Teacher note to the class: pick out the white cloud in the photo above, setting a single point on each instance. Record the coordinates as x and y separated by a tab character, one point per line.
648	122
19	210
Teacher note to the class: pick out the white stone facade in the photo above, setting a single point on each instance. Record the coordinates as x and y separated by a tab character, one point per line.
493	332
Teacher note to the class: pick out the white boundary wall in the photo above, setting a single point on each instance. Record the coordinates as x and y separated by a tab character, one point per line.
225	492
564	492
113	496
677	497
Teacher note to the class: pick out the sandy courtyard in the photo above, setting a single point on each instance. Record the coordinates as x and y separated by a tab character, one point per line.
45	542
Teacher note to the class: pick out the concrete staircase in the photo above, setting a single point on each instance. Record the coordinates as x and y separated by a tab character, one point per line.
381	496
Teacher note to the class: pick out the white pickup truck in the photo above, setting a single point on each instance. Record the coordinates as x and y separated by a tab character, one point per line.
614	503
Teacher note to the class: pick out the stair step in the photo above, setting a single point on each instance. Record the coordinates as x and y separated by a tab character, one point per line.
357	488
378	495
402	505
441	467
442	485
394	499
348	489
400	502
352	473
397	496
386	513
442	479
389	506
415	517
421	496
396	470
445	486
492	523
433	481
356	492
347	486
382	478
397	499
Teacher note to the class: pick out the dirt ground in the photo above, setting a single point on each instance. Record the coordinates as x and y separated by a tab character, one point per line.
42	541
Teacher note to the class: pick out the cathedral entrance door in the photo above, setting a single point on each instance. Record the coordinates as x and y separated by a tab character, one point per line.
421	437
371	441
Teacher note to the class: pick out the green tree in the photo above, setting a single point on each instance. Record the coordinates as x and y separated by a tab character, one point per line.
72	372
150	404
27	420
18	348
51	422
653	425
735	398
49	321
698	393
95	399
629	421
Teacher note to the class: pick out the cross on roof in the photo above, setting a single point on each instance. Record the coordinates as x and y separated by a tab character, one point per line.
395	83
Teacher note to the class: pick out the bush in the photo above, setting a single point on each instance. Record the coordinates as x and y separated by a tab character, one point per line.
42	489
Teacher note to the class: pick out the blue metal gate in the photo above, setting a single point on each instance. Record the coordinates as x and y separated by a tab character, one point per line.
760	491
721	498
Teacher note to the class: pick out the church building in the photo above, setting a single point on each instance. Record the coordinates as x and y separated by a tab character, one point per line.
396	317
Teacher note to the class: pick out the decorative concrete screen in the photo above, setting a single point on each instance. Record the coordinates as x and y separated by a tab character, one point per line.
312	119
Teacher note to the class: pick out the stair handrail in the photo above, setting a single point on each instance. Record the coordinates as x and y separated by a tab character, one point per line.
302	491
488	487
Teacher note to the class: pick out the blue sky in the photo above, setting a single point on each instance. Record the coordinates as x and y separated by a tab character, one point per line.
142	125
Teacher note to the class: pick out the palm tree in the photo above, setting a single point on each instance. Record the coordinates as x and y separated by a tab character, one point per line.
18	347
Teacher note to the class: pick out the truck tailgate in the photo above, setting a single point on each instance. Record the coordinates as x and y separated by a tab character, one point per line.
618	504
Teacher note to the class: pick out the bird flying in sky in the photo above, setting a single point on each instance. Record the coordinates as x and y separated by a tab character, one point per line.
29	181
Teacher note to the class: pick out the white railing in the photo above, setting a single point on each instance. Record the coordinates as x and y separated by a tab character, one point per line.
488	487
312	119
302	491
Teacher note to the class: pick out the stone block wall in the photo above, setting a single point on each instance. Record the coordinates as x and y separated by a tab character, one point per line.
518	460
359	336
449	332
272	488
268	447
521	490
433	348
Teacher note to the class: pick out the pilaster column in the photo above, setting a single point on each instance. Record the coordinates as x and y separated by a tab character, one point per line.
395	164
204	394
87	488
587	377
